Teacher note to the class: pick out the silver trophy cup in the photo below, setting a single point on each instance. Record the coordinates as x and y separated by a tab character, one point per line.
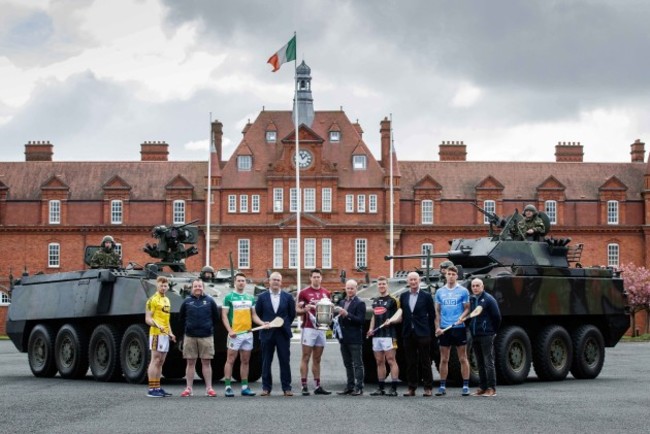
324	312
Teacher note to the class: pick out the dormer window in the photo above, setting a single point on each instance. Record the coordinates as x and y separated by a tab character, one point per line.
335	136
244	163
271	136
359	162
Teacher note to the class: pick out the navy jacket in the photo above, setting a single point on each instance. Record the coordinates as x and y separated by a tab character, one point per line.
488	322
420	322
198	315
286	311
352	323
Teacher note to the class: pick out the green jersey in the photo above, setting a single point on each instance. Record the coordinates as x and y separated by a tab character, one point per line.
239	311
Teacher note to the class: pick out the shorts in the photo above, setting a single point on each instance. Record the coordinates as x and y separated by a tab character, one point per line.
456	337
198	348
384	344
159	343
242	342
313	337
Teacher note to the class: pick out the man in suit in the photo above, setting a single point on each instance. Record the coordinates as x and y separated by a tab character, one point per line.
352	314
270	304
418	324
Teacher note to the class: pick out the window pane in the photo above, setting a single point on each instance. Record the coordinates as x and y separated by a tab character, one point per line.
53	255
255	203
116	212
277	253
372	203
423	262
244	163
612	255
55	211
612	212
293	200
232	203
335	136
271	136
550	208
293	253
327	199
326	252
361	203
360	253
427	212
4	298
310	200
310	253
243	203
359	162
244	254
179	212
278	200
488	206
349	203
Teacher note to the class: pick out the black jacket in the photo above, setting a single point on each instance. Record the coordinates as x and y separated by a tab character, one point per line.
352	323
198	316
420	322
286	311
488	322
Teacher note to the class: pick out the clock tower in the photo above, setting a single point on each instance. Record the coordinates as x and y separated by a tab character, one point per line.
303	101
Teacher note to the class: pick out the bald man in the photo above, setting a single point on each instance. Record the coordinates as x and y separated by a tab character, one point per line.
352	314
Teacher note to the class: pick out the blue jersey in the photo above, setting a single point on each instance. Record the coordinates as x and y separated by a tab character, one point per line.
451	303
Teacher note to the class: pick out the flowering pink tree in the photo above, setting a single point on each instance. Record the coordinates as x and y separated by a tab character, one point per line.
637	284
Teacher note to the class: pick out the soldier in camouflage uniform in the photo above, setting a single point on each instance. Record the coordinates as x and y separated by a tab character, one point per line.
106	256
531	226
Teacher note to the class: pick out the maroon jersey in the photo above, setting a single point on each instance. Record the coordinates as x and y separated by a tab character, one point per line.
311	296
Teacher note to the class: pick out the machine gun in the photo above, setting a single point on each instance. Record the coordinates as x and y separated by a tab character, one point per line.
493	219
170	248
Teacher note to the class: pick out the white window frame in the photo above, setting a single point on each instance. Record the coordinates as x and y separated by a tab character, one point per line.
244	163
359	162
293	253
426	209
278	200
178	212
613	255
423	261
243	253
309	201
293	199
612	212
278	259
489	206
372	203
54	212
326	199
361	252
326	253
255	203
335	136
349	203
118	249
361	203
53	255
309	254
232	203
243	203
117	212
5	300
550	209
271	136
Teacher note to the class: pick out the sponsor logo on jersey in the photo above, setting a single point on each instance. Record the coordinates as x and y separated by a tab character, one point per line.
379	310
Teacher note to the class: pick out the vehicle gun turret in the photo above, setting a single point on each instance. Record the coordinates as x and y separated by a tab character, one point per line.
170	248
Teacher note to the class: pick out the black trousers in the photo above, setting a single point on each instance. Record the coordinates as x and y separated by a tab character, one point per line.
418	355
484	351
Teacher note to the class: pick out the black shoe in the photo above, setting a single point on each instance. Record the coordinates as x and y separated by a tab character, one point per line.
357	392
320	391
305	391
345	392
391	392
378	392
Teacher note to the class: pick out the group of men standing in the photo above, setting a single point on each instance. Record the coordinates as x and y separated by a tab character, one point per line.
424	317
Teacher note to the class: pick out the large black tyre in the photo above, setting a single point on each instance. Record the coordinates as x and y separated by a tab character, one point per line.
512	355
588	352
552	353
135	354
71	351
40	351
104	353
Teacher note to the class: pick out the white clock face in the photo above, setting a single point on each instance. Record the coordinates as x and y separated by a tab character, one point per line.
304	158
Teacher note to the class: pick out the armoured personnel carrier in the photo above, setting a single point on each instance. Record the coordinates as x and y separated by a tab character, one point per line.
556	317
68	322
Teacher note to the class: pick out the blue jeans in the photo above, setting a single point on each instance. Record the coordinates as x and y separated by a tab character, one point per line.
353	362
484	350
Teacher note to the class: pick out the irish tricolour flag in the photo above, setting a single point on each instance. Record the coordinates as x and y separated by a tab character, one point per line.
284	55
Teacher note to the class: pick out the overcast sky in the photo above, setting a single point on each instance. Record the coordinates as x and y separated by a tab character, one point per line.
509	78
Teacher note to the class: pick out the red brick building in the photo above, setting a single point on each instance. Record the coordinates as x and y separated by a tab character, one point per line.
49	211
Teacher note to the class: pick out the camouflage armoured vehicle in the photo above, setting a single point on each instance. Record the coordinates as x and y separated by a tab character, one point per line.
68	322
555	317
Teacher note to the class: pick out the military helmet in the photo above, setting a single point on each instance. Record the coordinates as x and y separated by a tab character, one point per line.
108	238
205	270
530	207
446	264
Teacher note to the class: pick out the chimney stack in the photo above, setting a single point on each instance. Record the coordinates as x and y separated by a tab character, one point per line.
384	131
569	152
217	139
154	151
638	151
452	151
39	150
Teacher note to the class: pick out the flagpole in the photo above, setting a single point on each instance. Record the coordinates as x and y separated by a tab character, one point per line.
392	205
209	198
298	193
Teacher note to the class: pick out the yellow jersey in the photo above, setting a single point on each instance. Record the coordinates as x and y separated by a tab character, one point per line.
160	307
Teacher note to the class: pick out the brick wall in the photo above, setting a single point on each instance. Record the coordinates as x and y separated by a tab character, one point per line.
3	320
